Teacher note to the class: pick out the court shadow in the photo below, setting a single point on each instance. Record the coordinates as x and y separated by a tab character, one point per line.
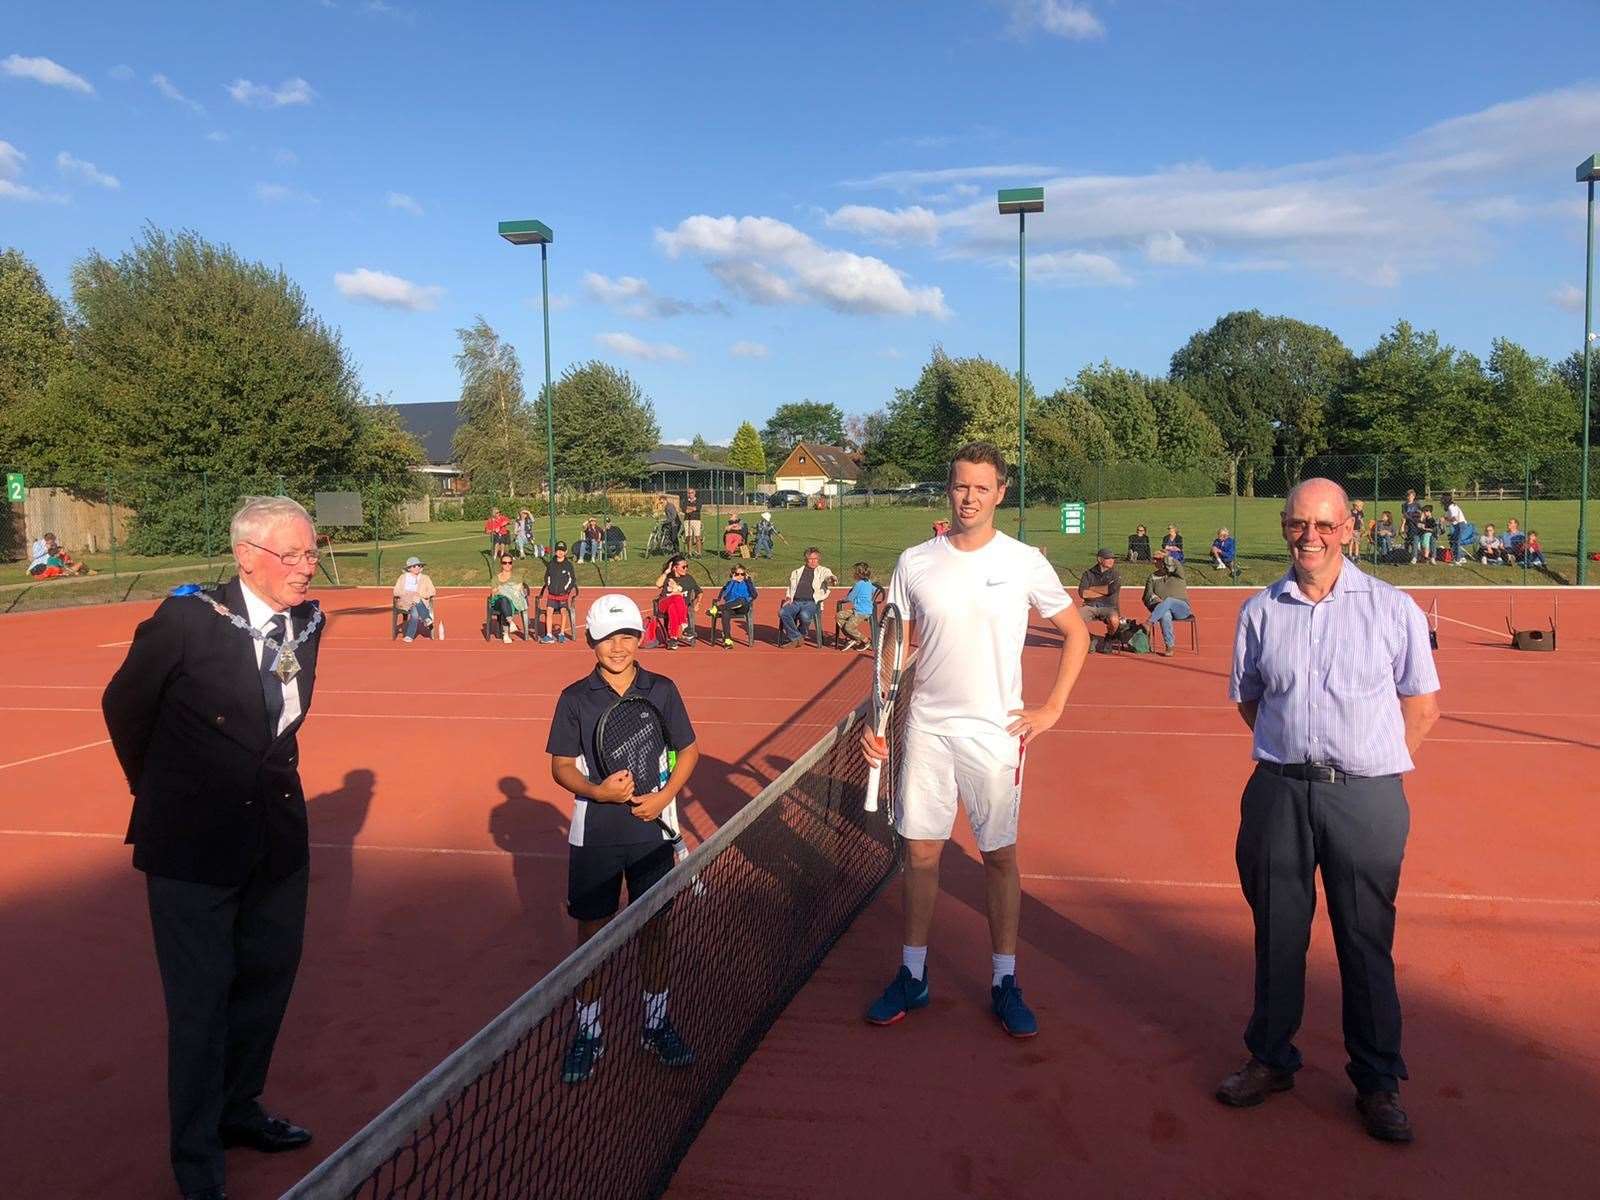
1494	728
534	833
336	818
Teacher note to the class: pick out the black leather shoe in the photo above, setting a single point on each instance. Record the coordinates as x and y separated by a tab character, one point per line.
1253	1083
1384	1118
215	1193
271	1136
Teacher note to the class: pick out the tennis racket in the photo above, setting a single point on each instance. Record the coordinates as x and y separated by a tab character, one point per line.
631	737
888	655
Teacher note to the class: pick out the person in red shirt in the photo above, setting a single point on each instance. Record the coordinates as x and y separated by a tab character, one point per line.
498	527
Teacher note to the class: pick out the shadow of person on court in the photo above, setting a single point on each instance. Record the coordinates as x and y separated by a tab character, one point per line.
534	833
336	819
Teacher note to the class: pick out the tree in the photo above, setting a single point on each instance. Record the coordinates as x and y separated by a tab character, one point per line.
886	477
1067	443
745	452
801	421
605	425
33	331
1185	435
706	452
1119	399
1570	370
1534	410
1266	382
497	440
955	400
197	377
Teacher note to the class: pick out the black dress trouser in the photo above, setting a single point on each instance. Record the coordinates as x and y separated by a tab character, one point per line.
228	957
1355	831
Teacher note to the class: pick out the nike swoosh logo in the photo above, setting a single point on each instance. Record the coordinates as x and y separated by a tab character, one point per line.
993	582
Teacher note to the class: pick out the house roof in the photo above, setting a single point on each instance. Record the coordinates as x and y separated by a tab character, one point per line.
832	461
434	425
675	458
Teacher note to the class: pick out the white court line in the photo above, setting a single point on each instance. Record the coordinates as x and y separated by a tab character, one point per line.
110	645
1500	633
21	762
1459	897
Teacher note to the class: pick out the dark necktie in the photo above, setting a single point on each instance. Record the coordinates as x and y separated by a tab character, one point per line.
271	685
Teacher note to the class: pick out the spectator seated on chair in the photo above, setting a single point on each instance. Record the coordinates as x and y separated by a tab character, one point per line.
614	544
589	543
1166	595
736	599
1172	542
733	538
1139	545
857	609
558	594
802	600
414	597
508	599
676	601
1222	550
1098	590
1383	532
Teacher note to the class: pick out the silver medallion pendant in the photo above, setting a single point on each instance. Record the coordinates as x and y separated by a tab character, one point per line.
287	665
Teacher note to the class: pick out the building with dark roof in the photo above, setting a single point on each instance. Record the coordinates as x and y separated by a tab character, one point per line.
812	467
433	424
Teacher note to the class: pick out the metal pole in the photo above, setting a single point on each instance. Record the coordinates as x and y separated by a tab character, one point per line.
1583	467
205	504
549	392
1377	504
838	498
1021	376
111	523
1527	491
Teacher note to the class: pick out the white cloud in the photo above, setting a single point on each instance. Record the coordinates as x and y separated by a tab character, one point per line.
909	181
379	287
913	224
86	172
11	160
170	90
770	262
1069	19
633	297
278	193
890	353
46	71
629	346
11	168
379	8
1568	297
121	72
403	202
747	350
1076	267
559	302
260	95
1429	200
1169	250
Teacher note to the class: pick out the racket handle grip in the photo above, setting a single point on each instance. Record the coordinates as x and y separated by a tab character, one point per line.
874	774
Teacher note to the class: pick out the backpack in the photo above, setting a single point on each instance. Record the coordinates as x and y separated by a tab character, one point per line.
1138	641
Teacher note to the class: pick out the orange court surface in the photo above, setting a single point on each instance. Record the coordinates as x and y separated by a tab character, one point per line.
438	874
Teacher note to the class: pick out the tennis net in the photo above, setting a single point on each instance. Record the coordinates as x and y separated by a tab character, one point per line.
742	923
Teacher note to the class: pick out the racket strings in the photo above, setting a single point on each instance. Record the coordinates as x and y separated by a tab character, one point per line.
638	751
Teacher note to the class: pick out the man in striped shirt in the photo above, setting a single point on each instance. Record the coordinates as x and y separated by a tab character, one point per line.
1334	674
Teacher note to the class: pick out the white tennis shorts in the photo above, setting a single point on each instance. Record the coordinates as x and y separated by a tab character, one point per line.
983	773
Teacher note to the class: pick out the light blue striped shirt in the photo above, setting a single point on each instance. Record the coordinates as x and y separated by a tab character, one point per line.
1329	675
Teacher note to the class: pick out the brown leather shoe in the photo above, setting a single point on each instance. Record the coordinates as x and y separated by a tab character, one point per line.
1253	1083
1384	1118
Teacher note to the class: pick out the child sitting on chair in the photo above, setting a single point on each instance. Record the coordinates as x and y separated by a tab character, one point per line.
736	599
856	609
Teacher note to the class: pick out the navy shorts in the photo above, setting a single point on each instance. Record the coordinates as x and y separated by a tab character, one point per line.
595	875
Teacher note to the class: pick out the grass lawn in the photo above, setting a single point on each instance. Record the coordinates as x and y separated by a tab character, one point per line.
456	551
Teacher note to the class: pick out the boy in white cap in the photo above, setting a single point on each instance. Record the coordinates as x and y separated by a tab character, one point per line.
615	834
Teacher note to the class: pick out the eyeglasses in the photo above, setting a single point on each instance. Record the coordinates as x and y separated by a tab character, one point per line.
1325	528
290	558
505	562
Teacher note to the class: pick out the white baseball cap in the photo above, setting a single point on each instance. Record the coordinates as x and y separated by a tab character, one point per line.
613	613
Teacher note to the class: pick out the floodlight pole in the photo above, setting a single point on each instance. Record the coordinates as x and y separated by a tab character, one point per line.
549	392
1588	172
1022	201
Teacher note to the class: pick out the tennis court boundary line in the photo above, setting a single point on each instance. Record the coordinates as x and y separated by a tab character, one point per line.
1210	885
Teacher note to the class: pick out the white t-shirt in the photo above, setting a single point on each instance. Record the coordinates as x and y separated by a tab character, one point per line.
970	608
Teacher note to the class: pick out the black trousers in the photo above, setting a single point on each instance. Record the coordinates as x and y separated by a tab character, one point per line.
228	957
1355	832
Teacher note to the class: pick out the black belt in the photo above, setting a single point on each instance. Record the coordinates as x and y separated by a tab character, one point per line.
1309	771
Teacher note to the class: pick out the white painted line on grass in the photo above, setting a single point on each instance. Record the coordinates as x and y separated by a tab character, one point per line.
22	762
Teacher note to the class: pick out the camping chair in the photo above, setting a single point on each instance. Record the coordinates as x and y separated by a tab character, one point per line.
489	618
613	544
397	621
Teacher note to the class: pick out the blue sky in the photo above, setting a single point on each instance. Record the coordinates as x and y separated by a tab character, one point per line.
757	203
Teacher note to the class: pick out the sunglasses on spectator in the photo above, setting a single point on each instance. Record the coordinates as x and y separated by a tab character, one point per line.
1298	527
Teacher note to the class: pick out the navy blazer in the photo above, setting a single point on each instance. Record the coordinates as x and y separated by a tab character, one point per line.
216	795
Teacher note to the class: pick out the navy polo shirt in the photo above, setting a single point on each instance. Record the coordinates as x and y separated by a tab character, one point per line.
572	730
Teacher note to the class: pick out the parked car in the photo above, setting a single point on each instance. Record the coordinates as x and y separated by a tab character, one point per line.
788	498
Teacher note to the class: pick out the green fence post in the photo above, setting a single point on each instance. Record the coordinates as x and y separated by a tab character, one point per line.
838	497
1527	490
1238	549
205	516
377	550
1099	503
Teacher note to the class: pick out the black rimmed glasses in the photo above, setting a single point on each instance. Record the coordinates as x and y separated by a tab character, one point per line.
289	558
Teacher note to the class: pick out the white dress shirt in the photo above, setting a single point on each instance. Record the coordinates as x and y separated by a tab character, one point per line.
259	613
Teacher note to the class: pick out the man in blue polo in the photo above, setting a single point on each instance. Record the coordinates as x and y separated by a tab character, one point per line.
1334	674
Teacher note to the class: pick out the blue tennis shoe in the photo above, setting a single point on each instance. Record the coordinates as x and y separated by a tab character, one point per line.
900	997
1014	1014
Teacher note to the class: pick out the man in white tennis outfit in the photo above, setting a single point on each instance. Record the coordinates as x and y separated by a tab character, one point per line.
966	597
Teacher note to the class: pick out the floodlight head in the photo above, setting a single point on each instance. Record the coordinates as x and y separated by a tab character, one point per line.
1589	169
526	233
1022	200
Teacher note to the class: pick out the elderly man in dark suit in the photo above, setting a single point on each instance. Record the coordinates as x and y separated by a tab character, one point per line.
204	714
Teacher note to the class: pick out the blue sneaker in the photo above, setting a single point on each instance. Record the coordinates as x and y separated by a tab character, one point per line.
900	997
582	1058
663	1041
1014	1014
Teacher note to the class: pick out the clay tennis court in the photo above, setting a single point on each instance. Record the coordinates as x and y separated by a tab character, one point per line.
438	872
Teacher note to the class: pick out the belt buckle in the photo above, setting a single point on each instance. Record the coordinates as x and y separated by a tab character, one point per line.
1322	773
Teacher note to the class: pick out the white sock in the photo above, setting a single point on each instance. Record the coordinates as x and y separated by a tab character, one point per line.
1003	964
589	1019
655	1009
914	959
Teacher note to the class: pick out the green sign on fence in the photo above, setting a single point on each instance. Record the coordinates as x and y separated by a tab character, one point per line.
16	488
1072	517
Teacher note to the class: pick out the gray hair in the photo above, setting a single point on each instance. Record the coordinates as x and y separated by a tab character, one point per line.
1344	496
261	513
